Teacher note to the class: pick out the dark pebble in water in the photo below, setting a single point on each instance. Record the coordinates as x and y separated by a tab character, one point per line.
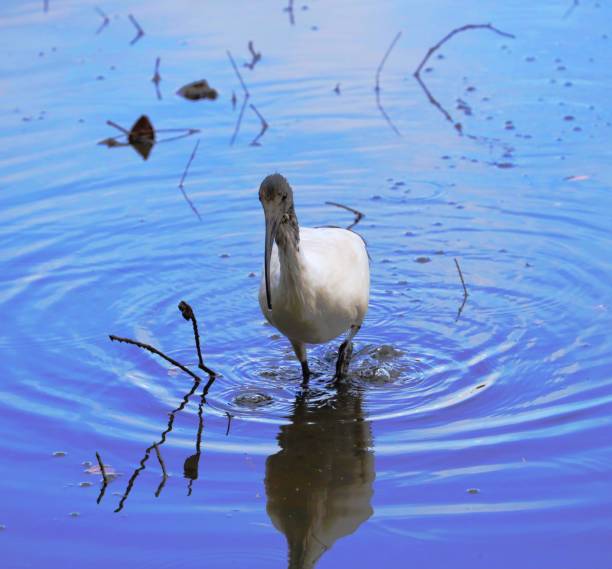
473	491
252	399
422	260
376	198
437	224
59	453
399	184
568	118
502	251
409	234
251	275
471	89
445	157
504	165
224	255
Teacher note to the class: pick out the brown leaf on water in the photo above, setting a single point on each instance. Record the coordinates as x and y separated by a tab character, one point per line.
198	90
142	136
110	142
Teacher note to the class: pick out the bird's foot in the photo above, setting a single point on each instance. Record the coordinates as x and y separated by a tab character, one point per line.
344	359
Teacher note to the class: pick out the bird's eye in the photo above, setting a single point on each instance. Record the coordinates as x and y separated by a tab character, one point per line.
284	197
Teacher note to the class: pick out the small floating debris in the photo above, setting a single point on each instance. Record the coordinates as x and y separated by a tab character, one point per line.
473	491
579	178
198	90
422	260
59	453
252	399
84	484
74	514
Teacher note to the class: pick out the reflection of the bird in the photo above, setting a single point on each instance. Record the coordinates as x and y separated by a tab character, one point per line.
319	485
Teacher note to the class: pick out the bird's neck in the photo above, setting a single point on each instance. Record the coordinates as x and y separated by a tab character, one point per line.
288	242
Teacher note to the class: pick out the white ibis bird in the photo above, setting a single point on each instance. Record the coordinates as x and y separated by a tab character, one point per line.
316	281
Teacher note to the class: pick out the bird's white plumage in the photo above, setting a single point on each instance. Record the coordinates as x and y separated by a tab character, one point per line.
322	289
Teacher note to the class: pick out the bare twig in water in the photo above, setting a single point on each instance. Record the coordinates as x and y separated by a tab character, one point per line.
465	292
358	215
118	127
244	102
156	352
139	30
289	9
157	79
164	473
377	86
195	149
255	57
264	127
181	183
568	12
417	74
104	478
188	314
102	469
229	422
105	19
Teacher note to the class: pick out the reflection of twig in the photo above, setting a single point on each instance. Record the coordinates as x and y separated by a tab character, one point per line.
229	422
105	19
289	9
188	314
569	11
155	351
164	473
377	86
358	215
264	127
465	292
192	462
255	55
157	78
433	49
244	103
140	31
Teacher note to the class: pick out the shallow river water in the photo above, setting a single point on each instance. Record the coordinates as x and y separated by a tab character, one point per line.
470	433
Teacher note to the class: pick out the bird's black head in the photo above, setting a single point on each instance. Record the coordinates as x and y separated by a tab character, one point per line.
275	194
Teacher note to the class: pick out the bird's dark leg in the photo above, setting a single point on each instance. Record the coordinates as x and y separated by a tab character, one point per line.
300	351
345	352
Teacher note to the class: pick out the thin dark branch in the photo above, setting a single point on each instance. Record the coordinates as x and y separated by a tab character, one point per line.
105	19
255	57
377	86
191	204
195	149
244	87
156	352
104	478
118	127
417	74
454	32
264	127
358	215
102	469
289	9
157	79
465	292
568	12
229	422
188	314
140	31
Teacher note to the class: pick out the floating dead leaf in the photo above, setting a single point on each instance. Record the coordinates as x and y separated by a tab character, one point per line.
142	136
198	90
576	178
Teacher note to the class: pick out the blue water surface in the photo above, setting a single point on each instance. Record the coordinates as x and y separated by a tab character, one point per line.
470	433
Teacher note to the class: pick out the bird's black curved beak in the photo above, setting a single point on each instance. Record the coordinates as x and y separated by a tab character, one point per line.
271	228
